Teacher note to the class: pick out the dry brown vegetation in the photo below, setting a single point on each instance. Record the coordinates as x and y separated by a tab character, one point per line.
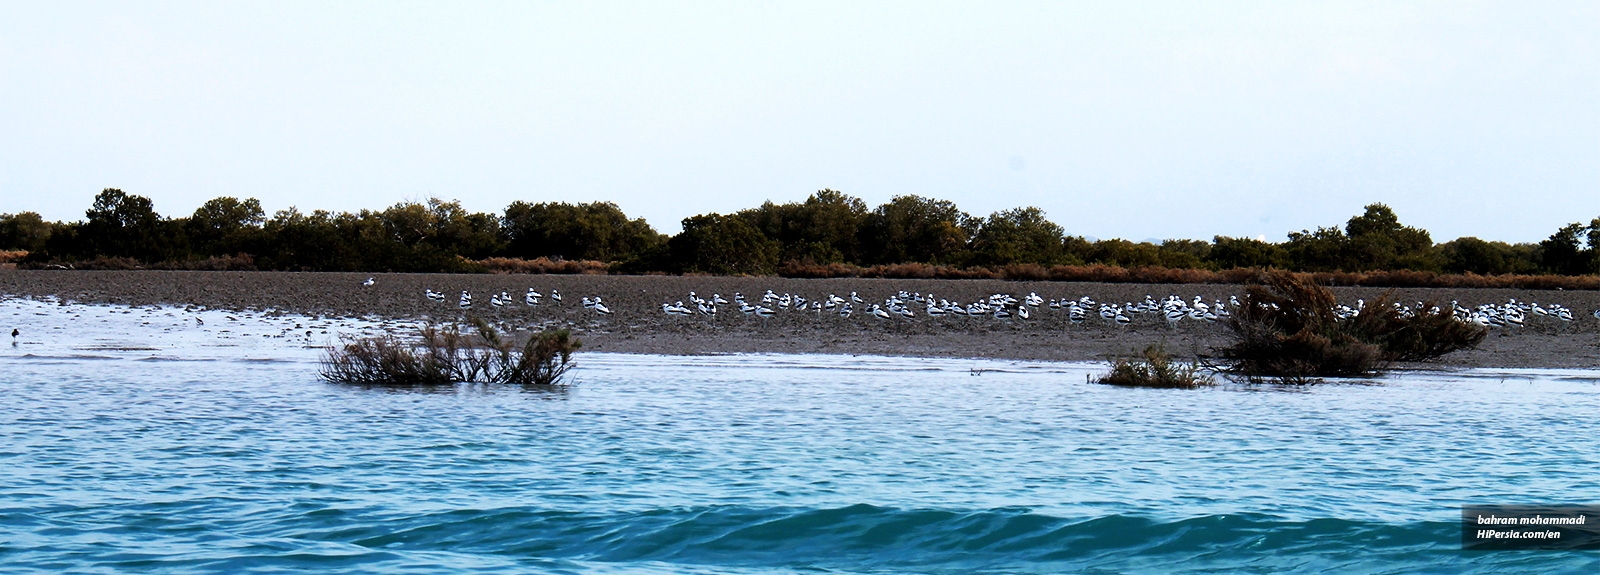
1163	275
543	266
9	257
1286	329
447	355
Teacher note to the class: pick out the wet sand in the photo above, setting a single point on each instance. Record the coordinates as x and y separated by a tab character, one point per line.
638	325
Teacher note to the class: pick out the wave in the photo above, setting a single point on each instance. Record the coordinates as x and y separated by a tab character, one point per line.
870	538
189	536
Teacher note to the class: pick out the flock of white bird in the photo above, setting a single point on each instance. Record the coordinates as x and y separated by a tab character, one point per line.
908	305
530	299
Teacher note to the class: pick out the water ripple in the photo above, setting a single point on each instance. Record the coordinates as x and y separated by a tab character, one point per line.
237	459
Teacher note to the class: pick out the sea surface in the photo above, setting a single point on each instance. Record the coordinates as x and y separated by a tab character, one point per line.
173	440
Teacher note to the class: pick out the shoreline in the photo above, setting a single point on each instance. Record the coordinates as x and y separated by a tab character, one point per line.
637	324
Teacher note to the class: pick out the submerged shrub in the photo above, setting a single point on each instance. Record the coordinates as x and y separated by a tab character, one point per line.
1155	368
1287	328
447	355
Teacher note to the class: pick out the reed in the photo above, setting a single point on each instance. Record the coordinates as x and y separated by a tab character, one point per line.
444	355
1154	367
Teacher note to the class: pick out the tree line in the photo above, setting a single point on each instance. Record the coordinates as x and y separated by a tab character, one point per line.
829	227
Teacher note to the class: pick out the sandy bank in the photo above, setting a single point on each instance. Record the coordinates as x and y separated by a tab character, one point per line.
638	324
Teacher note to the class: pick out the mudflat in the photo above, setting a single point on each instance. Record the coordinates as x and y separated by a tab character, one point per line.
637	323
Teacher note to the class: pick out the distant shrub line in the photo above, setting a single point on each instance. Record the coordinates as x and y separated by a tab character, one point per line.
1021	272
830	234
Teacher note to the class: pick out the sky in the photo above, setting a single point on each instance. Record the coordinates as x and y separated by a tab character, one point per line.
1138	120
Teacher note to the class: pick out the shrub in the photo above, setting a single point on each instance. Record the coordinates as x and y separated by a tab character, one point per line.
804	269
241	262
543	266
446	355
1286	328
1155	368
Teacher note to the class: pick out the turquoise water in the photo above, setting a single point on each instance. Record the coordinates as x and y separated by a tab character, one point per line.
140	440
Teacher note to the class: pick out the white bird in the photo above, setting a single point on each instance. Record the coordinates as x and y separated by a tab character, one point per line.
369	281
879	311
764	311
555	295
466	300
1022	312
600	306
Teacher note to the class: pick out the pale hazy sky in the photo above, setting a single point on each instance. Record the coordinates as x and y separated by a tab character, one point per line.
1120	119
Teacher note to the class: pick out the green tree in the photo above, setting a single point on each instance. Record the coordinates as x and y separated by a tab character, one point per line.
1018	236
595	231
225	226
1186	254
1317	251
726	245
916	229
440	230
126	225
1123	253
25	231
825	228
1232	253
295	241
1377	240
1562	254
1469	254
1594	246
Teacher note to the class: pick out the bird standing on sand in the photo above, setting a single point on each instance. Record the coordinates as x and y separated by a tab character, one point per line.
369	281
15	333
